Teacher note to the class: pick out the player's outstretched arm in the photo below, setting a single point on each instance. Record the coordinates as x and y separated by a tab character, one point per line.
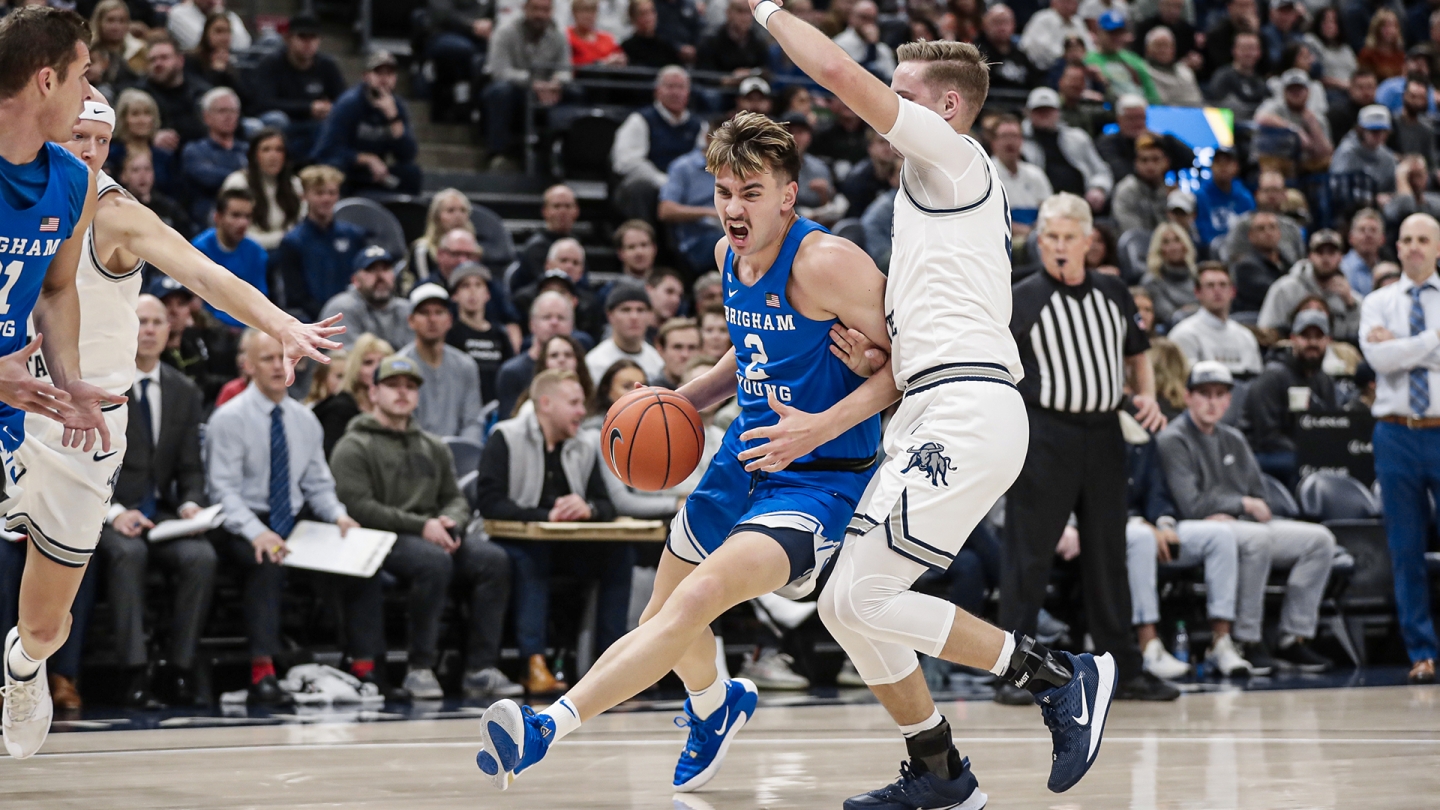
714	385
139	232
828	64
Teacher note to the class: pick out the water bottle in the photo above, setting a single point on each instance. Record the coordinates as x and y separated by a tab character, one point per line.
1182	643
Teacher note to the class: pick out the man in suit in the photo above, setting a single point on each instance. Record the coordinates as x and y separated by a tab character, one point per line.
162	478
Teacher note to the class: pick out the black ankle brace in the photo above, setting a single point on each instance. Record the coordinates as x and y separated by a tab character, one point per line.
933	751
1034	667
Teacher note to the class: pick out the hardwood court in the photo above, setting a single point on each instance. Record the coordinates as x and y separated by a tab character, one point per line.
1316	748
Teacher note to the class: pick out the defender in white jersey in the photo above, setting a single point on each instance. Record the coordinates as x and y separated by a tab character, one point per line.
66	491
959	438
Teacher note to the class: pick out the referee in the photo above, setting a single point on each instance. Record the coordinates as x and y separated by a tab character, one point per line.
1078	335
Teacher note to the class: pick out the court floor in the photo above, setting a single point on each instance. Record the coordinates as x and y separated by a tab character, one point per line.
1317	748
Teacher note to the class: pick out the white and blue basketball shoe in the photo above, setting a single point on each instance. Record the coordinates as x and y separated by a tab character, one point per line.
1075	714
710	738
512	738
923	790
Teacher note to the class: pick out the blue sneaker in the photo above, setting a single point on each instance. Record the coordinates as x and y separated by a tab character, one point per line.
710	738
913	791
1075	714
512	739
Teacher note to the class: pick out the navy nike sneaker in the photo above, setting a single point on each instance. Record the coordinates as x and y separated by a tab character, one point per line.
512	738
917	791
710	738
1075	714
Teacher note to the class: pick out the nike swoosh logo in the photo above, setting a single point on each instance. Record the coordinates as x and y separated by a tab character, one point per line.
615	436
1084	707
732	292
99	457
726	724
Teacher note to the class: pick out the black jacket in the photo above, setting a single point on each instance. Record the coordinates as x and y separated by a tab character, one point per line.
180	106
1147	495
1269	422
279	85
173	464
492	490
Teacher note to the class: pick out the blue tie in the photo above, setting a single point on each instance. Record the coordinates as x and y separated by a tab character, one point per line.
282	519
147	504
1419	377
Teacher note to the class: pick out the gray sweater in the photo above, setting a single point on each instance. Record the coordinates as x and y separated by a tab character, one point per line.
1208	474
514	57
390	323
450	396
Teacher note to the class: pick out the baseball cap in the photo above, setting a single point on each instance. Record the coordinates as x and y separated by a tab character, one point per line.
1286	3
163	285
795	119
1374	116
1225	151
398	365
624	293
1326	236
1295	77
381	58
429	291
556	276
371	255
754	84
1130	101
1112	20
467	270
1183	200
1042	97
1209	371
303	24
1307	318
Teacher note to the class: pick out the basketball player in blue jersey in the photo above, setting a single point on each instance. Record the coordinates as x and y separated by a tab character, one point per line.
46	205
788	282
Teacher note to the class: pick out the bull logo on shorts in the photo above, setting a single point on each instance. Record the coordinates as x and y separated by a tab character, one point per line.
927	458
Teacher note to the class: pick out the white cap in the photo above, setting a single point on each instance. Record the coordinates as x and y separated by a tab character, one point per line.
1130	101
98	111
1042	97
429	291
1374	116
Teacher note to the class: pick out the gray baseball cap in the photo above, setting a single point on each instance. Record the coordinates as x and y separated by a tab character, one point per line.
1209	371
1307	318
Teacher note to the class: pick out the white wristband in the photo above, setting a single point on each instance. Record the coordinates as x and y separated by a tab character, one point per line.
763	11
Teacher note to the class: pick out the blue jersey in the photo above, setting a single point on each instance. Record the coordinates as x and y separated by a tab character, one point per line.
30	234
780	351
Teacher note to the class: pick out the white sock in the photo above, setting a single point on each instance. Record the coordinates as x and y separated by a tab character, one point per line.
924	725
566	717
1006	650
22	667
704	702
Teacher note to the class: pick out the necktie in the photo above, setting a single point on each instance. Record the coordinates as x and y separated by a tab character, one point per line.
282	519
1419	377
147	504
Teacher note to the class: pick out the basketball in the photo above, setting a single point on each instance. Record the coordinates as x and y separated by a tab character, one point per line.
652	439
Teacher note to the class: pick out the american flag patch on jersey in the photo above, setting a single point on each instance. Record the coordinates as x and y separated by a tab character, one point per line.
49	224
772	300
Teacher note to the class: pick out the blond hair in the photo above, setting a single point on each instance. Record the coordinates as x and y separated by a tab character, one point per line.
320	383
129	100
750	144
1154	260
432	217
364	345
312	177
547	380
1171	369
957	66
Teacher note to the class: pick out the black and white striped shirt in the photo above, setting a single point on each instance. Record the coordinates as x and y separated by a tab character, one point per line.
1074	340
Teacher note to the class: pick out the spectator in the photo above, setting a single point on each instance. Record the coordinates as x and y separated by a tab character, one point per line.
1238	85
1363	150
1327	41
317	258
268	176
137	127
679	21
565	265
714	332
1318	275
227	245
1025	184
1413	133
739	47
687	204
1384	50
1220	199
845	141
459	36
485	342
861	40
369	305
186	22
708	292
110	32
529	56
1174	81
535	468
211	62
162	478
1180	210
653	137
1212	474
589	46
1010	67
1293	383
1412	194
1261	266
753	95
368	134
1284	29
1210	334
1144	310
678	341
449	209
1172	15
392	476
137	175
1170	276
199	347
1081	106
450	400
299	82
645	48
1170	370
1398	336
666	290
1240	17
560	209
1290	112
1367	236
1270	195
635	248
1391	92
1118	148
619	380
264	494
629	312
353	396
877	221
176	94
1044	37
1345	111
561	352
552	313
815	197
1121	69
1140	198
1066	154
872	175
456	247
208	161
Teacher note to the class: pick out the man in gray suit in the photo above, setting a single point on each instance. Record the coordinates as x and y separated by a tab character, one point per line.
162	478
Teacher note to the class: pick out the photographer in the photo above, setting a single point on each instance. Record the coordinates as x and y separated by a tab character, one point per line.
368	134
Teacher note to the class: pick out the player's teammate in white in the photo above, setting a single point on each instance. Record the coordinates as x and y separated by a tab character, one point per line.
959	438
67	491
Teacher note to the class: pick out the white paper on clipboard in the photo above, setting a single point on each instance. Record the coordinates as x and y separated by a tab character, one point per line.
319	547
204	520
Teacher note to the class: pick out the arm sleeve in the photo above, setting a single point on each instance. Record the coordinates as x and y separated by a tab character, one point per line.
226	471
333	145
1182	476
630	152
470	427
200	169
1125	207
405	148
1136	341
353	488
1158	503
1398	354
598	496
317	485
947	169
492	490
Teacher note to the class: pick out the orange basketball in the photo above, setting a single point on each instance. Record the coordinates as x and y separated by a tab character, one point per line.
652	438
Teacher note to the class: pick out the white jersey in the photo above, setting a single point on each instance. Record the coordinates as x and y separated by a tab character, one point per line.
947	300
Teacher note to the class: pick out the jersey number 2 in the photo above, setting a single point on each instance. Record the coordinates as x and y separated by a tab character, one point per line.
758	358
12	275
